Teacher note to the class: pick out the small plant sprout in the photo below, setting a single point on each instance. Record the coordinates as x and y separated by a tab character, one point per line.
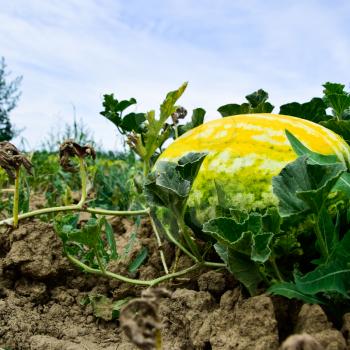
11	161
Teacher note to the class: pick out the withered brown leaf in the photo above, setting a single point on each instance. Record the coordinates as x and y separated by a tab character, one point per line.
70	149
11	159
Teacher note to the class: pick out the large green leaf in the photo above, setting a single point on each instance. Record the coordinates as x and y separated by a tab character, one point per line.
314	110
245	237
331	277
230	233
189	165
290	291
245	270
170	184
302	187
321	180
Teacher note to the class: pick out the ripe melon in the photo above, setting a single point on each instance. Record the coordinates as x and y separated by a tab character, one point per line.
244	153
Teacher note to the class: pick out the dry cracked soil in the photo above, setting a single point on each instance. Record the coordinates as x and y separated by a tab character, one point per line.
42	303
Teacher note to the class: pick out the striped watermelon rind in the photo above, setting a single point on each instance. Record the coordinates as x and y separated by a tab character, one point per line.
244	153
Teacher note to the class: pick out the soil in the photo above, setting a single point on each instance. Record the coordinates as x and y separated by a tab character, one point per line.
42	302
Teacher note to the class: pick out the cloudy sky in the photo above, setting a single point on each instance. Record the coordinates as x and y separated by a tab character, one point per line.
71	52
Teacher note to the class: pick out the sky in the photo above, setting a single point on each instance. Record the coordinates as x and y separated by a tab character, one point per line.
72	52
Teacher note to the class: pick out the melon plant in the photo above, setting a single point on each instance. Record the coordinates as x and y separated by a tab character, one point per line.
244	153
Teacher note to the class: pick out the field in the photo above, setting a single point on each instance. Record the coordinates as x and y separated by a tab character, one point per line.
230	234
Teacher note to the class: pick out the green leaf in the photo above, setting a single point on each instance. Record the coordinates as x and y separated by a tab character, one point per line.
133	122
168	105
89	234
302	187
105	308
338	99
110	238
113	110
257	101
300	149
333	88
139	260
245	270
189	165
230	233
314	110
290	291
322	179
271	220
233	109
339	104
239	216
343	184
244	237
327	229
196	120
261	250
257	104
333	276
257	98
242	268
170	184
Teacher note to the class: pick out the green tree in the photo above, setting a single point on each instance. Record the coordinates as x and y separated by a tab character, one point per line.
9	96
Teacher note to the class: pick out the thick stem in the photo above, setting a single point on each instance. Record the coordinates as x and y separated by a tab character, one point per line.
276	269
83	178
321	241
145	167
75	207
131	280
16	199
116	212
179	245
176	130
188	238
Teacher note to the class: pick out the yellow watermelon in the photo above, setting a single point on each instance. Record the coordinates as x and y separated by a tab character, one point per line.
244	153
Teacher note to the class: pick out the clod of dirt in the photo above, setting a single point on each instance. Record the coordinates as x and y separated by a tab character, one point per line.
33	290
301	342
36	251
213	282
313	320
250	325
346	328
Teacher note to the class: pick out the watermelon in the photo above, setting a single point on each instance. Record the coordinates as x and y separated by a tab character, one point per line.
244	153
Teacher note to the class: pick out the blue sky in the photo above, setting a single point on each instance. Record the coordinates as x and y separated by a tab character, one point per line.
72	52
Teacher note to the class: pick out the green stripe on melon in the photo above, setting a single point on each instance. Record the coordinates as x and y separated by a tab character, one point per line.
244	153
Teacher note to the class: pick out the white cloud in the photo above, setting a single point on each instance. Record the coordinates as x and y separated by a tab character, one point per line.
74	51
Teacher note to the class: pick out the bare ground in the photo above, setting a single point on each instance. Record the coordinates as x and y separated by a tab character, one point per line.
42	294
